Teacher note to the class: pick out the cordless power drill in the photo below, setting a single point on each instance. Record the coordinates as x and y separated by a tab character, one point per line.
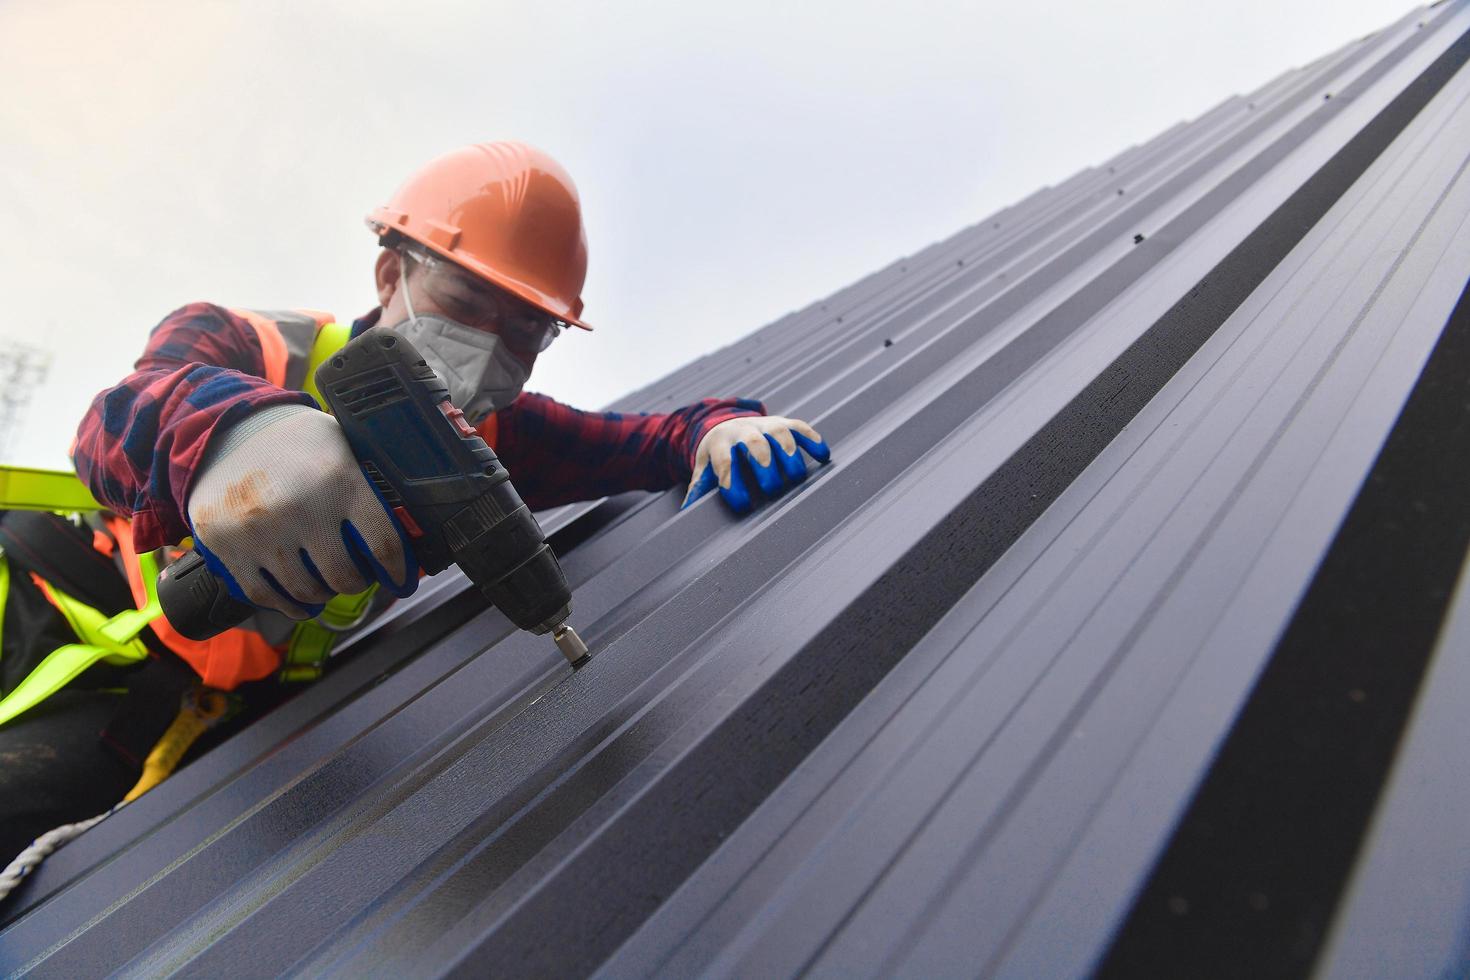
442	483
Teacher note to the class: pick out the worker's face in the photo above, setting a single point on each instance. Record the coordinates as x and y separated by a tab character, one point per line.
443	288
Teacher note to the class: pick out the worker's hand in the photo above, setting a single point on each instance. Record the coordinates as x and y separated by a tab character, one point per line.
282	513
770	447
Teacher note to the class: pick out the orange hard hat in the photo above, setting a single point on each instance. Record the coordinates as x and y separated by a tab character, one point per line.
505	211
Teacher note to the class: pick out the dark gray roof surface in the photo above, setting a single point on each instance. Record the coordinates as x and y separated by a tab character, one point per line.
1090	650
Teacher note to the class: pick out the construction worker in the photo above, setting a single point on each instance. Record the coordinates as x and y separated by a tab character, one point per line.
216	436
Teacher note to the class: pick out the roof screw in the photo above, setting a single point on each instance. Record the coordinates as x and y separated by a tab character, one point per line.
887	342
1137	238
1120	192
1326	96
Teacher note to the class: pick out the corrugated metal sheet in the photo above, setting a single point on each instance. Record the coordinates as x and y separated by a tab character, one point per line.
1090	651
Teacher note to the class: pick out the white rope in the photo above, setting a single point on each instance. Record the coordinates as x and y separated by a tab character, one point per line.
30	859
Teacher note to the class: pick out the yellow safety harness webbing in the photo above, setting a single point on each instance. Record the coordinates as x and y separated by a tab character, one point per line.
201	710
113	641
4	589
331	338
22	488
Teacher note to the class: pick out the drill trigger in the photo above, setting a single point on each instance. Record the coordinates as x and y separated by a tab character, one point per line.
409	524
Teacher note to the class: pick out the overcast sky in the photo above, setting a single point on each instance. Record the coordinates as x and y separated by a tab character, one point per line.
735	161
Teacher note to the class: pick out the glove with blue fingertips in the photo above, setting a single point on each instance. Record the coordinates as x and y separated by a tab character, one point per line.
768	448
281	512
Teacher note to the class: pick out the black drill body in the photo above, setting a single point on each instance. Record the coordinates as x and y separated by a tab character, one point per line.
442	482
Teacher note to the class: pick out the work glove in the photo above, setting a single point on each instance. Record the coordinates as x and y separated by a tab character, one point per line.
283	514
767	446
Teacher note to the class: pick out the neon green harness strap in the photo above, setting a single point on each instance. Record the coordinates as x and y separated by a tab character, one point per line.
342	612
59	669
130	622
331	338
92	627
103	640
312	640
22	488
4	590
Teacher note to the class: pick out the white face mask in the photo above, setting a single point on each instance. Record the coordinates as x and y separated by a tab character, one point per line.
481	373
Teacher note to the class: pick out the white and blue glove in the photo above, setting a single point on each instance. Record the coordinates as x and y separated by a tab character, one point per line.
282	514
767	446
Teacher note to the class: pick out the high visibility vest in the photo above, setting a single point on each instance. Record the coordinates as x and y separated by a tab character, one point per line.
294	343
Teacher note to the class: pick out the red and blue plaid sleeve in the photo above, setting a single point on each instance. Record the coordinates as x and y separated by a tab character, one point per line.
140	442
556	454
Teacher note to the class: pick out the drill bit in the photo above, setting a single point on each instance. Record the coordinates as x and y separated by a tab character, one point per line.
570	645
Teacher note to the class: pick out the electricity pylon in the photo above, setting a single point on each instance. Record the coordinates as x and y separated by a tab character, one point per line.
22	371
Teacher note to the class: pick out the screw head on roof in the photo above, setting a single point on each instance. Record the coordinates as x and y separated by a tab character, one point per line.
1137	238
1120	192
887	342
1326	96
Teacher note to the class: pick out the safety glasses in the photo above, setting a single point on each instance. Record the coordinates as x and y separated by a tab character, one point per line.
470	300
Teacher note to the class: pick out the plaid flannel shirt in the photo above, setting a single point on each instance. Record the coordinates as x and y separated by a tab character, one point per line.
141	442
